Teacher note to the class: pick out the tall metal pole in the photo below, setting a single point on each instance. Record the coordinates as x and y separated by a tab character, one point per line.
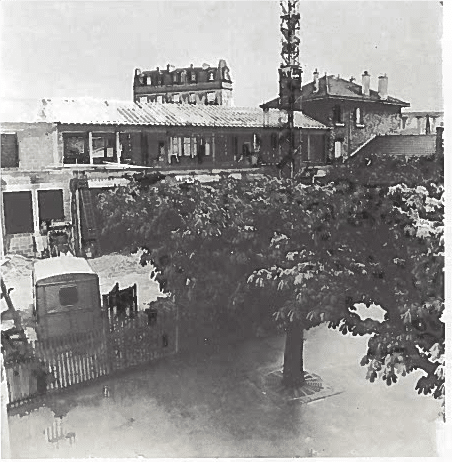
289	80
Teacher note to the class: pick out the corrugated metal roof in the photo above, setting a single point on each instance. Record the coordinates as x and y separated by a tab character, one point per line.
93	111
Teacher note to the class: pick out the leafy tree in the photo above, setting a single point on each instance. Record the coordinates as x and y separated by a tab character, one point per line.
314	251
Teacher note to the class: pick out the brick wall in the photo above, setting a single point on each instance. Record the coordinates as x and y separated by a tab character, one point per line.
36	147
36	144
19	243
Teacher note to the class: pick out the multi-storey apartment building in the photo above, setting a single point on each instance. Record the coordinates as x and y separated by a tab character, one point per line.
189	85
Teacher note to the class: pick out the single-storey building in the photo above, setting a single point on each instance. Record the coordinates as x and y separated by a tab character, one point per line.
54	152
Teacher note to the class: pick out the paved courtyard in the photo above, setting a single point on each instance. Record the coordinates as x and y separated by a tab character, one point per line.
212	404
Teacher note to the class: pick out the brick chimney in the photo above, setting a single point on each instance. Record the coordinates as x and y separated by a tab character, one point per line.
316	80
383	87
366	84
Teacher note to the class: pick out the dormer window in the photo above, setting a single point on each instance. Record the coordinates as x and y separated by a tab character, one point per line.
359	117
211	76
148	80
337	115
193	77
176	77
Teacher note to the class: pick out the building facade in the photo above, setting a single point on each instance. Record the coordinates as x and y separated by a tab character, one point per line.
354	112
420	122
100	144
204	85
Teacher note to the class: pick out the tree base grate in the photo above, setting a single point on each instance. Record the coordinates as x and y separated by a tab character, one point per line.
313	389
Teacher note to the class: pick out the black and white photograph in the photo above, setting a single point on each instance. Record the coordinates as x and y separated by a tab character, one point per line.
223	229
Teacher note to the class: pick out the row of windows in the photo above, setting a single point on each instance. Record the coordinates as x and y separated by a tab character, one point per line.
338	118
210	98
18	209
183	77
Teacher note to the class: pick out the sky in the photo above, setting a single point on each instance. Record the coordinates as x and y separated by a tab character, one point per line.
77	48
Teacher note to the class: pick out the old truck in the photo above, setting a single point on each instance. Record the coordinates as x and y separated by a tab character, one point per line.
66	297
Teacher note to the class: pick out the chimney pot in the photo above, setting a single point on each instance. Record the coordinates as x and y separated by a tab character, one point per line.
167	67
158	69
383	87
366	84
316	80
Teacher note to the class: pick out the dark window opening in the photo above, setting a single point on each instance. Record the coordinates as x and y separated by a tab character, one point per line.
274	140
337	114
236	147
75	149
144	149
50	205
18	212
161	150
68	296
125	140
9	151
165	340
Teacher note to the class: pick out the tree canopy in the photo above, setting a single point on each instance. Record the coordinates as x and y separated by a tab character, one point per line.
307	253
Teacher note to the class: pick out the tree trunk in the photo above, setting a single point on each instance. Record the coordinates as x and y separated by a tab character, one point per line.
293	374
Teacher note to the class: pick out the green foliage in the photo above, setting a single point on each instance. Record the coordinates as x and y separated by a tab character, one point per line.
307	252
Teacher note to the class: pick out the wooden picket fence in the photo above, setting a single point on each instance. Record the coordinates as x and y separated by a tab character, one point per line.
62	362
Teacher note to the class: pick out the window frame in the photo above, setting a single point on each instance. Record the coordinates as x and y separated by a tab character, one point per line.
274	140
109	138
15	163
29	227
359	119
75	302
338	116
41	197
214	96
193	77
84	154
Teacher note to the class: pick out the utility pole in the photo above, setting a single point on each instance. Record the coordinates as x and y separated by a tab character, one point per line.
289	82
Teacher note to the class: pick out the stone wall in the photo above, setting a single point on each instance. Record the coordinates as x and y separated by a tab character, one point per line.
378	119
